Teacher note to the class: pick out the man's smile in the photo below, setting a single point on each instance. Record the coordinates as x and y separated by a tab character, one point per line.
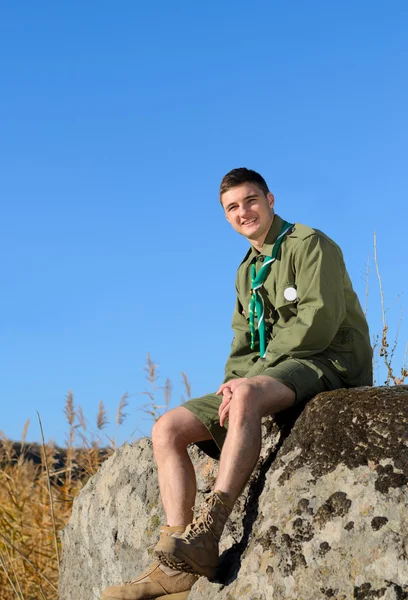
249	221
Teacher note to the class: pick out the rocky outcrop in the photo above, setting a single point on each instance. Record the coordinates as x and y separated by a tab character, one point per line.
325	514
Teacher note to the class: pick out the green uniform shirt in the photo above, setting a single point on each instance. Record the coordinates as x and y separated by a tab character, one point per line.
324	321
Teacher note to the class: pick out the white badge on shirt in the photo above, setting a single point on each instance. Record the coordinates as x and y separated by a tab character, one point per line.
290	294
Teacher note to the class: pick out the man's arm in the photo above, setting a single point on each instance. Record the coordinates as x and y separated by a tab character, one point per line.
321	308
240	360
241	357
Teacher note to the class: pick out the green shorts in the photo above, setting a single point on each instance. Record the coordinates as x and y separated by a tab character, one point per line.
306	377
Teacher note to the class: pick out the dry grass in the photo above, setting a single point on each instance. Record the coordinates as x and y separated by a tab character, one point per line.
38	485
36	494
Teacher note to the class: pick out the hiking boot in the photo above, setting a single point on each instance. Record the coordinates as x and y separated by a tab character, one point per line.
196	550
159	582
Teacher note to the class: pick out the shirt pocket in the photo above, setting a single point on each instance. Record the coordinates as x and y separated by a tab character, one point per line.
286	302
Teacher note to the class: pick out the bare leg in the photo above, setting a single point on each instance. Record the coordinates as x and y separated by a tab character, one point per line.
171	435
247	402
255	398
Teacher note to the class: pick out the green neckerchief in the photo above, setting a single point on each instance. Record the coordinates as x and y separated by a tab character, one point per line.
256	304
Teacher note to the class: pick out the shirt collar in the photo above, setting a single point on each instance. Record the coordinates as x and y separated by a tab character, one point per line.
270	239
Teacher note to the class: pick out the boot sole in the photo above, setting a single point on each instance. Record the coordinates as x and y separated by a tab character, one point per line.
177	560
177	596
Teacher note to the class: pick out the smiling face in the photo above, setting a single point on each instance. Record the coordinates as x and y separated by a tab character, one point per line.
250	211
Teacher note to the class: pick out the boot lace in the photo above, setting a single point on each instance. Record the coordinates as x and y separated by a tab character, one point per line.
203	521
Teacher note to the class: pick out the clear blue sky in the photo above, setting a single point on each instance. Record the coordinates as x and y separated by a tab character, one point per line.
118	121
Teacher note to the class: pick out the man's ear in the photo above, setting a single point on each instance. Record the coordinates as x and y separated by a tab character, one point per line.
271	199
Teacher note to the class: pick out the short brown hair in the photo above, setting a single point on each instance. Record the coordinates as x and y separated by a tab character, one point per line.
240	176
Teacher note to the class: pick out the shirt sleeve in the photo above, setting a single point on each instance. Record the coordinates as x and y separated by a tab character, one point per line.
241	357
321	305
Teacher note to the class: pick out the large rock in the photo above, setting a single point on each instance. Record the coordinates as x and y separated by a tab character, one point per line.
325	514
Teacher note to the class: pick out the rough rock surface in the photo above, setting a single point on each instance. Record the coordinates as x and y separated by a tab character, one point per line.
325	514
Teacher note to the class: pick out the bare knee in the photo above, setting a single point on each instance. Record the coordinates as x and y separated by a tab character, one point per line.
176	429
166	433
272	395
261	396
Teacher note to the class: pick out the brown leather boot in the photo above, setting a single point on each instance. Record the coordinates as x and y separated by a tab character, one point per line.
159	582
196	550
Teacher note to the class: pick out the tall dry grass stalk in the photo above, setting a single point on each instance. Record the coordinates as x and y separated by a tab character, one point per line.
187	386
382	342
152	409
50	495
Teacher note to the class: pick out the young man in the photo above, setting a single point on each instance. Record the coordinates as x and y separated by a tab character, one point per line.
298	330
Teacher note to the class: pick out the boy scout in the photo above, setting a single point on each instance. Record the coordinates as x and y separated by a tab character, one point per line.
298	330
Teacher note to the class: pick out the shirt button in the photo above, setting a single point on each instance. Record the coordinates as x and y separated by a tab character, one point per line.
261	258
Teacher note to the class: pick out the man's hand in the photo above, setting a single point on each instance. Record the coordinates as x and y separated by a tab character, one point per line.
227	390
232	385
